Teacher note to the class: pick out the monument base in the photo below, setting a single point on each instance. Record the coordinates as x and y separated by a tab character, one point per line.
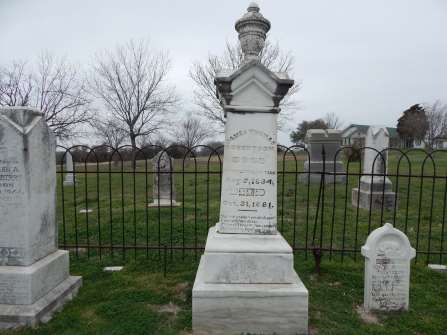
30	294
164	203
374	199
313	172
246	284
14	316
69	180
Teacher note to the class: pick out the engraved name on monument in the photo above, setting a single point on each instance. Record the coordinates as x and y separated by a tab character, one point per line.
387	269
248	203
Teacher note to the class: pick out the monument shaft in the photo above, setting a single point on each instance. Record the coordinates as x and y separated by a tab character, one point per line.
248	203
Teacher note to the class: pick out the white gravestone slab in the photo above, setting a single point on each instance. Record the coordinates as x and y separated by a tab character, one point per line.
34	275
163	166
375	189
378	138
69	176
27	176
248	203
387	255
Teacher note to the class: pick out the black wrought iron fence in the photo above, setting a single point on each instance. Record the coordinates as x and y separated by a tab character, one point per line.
110	208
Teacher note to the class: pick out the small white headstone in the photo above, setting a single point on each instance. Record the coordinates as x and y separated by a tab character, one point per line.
387	269
69	176
164	187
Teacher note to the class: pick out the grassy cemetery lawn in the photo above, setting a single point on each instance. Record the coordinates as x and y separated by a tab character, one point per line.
120	216
139	300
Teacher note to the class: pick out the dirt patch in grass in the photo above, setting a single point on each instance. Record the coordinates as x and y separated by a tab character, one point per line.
335	284
367	317
181	290
169	309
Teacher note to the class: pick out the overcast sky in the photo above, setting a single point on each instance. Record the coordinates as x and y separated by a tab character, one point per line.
365	60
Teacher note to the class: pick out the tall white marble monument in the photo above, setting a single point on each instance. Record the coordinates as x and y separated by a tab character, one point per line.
34	274
387	254
246	282
375	189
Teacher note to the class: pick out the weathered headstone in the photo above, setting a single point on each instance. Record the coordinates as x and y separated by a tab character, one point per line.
387	269
375	188
34	274
330	140
163	188
246	282
69	176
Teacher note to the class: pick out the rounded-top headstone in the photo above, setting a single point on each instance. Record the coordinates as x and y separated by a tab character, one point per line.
387	253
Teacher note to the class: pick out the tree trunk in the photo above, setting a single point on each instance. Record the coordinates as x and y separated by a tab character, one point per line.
134	150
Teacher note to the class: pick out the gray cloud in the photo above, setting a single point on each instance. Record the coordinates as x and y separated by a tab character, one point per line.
367	61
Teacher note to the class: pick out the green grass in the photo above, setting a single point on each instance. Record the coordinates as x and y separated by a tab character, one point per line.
139	300
121	217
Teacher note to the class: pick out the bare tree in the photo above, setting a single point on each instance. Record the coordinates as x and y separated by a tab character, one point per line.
203	75
333	121
191	132
54	86
437	122
61	95
109	133
15	85
130	81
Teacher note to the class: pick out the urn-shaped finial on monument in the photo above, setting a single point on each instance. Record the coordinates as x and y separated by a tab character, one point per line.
252	29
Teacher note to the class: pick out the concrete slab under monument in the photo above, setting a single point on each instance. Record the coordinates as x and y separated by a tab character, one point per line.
374	194
247	284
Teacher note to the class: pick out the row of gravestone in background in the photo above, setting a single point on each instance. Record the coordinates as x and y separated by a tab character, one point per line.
34	275
372	191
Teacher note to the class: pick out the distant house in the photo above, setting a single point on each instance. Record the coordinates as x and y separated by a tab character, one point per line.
356	133
440	142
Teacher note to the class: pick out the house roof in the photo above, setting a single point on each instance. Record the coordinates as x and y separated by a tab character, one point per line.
363	128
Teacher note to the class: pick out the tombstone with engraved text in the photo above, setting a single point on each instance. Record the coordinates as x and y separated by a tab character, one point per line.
387	253
34	274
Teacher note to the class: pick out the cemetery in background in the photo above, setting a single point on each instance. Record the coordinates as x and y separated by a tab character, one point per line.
109	211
